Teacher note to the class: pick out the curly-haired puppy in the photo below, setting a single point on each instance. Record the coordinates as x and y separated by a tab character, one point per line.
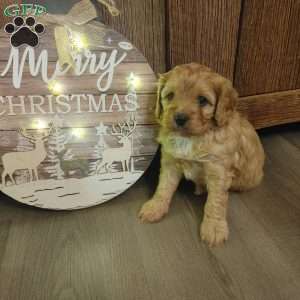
205	140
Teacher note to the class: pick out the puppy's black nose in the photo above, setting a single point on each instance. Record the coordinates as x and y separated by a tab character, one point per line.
181	119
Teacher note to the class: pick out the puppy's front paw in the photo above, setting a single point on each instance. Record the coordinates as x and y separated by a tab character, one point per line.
153	211
214	232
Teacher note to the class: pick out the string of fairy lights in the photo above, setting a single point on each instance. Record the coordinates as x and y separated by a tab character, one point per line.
79	43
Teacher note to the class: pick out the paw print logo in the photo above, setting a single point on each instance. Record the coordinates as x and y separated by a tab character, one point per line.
24	31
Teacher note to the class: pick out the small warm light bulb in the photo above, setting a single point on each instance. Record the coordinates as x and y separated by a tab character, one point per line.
55	87
134	81
39	124
78	132
79	42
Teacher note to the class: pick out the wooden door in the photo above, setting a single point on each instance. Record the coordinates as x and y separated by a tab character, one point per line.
255	43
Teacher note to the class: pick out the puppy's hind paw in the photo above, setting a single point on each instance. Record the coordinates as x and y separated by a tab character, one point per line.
214	232
153	211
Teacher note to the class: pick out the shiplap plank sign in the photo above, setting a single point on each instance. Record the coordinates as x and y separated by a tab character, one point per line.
72	136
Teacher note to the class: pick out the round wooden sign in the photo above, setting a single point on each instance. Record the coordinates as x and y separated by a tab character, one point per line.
76	114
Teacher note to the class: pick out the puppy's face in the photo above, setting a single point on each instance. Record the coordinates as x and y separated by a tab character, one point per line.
192	99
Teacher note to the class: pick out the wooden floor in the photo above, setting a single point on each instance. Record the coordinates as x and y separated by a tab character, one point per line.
104	253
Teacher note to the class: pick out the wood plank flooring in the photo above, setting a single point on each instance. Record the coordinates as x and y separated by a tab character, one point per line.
105	253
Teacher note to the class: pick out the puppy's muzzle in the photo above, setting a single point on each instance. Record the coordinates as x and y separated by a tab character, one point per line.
181	119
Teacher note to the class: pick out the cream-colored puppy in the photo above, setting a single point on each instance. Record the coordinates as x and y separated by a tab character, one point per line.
205	140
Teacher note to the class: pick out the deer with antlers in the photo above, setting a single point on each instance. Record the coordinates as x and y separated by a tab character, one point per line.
121	154
28	159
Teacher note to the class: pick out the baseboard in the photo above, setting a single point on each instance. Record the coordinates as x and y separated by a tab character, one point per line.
267	110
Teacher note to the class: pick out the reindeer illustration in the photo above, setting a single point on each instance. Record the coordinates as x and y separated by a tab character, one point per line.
28	159
121	154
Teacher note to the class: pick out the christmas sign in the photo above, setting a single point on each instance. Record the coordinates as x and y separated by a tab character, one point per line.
76	112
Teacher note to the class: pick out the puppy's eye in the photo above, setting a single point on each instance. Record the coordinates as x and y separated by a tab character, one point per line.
202	101
170	96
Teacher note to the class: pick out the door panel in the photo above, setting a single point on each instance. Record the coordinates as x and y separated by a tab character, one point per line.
268	58
143	23
204	32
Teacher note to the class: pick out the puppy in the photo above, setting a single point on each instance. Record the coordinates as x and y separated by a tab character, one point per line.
205	140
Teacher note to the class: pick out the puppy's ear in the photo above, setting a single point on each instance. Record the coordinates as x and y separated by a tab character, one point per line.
163	78
226	103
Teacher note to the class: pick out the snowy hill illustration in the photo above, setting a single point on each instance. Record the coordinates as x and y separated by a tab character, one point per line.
72	193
